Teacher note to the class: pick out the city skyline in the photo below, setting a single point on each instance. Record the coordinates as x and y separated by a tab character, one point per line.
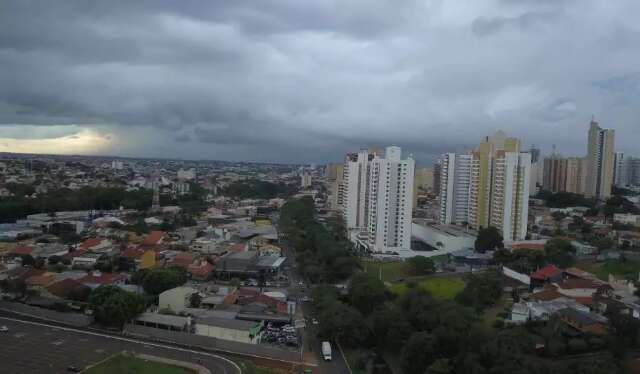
222	81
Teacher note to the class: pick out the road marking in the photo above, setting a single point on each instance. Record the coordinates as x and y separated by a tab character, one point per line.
238	370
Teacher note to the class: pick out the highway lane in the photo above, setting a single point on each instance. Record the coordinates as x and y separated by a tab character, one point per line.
34	347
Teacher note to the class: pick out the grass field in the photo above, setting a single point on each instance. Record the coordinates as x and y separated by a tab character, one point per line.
443	288
628	269
125	364
390	270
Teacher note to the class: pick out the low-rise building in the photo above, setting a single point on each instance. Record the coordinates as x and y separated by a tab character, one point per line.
176	300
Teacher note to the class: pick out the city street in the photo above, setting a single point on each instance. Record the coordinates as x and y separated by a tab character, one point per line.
32	347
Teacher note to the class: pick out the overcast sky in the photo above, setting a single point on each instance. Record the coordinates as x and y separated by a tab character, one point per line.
307	81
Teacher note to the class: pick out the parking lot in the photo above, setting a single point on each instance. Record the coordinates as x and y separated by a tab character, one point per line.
29	348
284	337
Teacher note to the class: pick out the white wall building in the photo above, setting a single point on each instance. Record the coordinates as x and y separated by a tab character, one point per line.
378	199
444	238
176	299
187	174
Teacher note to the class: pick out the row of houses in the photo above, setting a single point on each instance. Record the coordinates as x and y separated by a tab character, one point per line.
573	295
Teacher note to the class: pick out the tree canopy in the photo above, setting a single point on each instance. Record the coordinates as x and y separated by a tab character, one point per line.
488	239
157	281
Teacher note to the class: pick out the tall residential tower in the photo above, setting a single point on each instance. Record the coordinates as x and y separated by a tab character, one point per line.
600	161
491	185
378	199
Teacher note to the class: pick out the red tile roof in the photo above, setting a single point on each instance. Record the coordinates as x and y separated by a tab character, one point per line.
546	272
64	287
182	260
240	247
132	252
546	295
201	270
22	250
43	280
76	253
573	283
23	272
523	246
579	273
89	243
153	238
102	278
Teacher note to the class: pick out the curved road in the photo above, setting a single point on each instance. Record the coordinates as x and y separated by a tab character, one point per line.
36	347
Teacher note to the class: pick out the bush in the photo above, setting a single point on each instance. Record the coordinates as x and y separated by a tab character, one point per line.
498	323
577	345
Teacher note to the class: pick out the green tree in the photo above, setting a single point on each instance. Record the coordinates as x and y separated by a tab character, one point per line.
440	366
366	292
481	290
421	265
195	300
160	280
419	353
113	306
488	239
560	252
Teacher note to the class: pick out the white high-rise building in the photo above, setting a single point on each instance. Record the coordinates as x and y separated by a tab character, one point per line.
378	199
620	177
454	188
305	179
356	179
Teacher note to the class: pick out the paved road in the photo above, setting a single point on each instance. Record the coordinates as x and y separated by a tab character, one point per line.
338	364
32	347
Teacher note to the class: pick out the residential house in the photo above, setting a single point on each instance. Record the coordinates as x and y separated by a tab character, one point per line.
545	275
584	322
96	279
201	271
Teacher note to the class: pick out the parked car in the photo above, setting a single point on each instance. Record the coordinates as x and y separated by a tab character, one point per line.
73	369
4	329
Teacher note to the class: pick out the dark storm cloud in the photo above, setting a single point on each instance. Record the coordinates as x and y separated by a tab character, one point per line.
290	80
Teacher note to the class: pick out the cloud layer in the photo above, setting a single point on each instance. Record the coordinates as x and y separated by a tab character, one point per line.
306	81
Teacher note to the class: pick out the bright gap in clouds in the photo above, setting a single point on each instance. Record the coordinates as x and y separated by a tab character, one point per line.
84	141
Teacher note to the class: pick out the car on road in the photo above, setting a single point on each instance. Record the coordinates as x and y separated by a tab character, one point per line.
306	299
73	369
4	329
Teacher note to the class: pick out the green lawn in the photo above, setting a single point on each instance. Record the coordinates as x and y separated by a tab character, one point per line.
126	364
627	270
390	270
249	367
443	288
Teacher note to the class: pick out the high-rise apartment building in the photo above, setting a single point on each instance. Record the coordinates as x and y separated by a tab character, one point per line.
455	178
305	179
333	181
491	184
576	179
620	169
600	161
378	199
555	173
